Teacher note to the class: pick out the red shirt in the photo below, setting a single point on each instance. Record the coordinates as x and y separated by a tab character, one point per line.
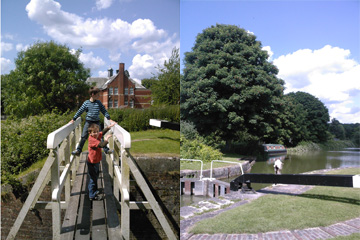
95	154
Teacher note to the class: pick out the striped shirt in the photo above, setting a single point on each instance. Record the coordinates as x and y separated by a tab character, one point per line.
93	111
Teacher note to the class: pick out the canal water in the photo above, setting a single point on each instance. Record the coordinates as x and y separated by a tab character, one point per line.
299	163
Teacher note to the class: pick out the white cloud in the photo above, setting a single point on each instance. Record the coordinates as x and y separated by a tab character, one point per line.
114	56
7	36
5	47
5	65
101	32
327	73
103	4
102	74
21	47
268	49
90	61
142	66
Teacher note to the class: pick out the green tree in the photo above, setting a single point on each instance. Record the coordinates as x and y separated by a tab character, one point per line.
229	85
293	119
148	82
47	77
317	116
166	90
337	129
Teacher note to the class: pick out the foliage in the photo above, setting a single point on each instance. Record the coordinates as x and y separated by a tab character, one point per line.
138	119
148	82
188	130
352	132
196	149
228	85
23	142
47	76
317	116
293	120
166	90
337	129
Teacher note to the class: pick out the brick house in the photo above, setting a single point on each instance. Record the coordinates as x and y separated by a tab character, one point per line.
120	91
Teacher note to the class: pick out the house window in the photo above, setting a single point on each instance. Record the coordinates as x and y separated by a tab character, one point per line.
116	91
110	103
110	91
126	102
115	103
131	91
132	103
126	91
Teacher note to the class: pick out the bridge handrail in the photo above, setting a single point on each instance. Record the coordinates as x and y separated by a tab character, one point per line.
211	168
196	160
57	136
67	136
120	172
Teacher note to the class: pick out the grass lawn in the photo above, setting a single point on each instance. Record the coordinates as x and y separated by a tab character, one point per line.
162	142
320	206
188	165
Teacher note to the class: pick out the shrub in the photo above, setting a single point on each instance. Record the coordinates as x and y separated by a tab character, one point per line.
195	149
188	130
138	119
23	141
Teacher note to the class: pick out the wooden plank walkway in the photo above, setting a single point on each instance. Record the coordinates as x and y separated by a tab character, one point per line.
85	219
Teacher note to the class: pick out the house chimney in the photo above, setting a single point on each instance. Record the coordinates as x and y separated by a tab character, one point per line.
110	72
121	67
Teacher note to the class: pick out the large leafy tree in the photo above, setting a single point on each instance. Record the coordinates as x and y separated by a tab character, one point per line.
317	116
230	88
337	129
166	90
47	76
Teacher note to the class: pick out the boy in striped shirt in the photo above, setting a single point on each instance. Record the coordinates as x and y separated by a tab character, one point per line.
93	107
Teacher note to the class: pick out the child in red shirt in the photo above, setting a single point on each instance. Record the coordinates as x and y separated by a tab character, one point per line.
95	156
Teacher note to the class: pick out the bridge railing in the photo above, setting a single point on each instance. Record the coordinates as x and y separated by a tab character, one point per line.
121	163
59	168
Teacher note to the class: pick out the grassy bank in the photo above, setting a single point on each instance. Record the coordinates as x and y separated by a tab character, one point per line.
304	147
279	212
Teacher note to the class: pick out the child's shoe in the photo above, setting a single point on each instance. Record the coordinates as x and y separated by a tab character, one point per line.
76	152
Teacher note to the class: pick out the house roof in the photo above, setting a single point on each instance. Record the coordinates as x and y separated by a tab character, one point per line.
103	82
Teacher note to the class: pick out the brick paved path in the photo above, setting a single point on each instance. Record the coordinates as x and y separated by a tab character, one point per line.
339	229
190	218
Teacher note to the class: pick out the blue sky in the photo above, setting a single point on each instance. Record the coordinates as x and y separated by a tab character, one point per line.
139	33
315	44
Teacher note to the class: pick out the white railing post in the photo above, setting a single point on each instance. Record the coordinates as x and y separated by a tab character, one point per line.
55	206
125	198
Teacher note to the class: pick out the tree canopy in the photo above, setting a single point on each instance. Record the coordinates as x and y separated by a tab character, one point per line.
317	116
165	87
229	85
47	76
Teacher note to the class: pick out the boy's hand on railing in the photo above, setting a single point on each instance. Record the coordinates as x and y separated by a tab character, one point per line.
107	137
112	123
72	121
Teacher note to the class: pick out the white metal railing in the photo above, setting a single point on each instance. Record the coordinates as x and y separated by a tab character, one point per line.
60	142
121	163
196	160
211	168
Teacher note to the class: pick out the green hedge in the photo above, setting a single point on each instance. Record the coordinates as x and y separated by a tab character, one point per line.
23	142
138	119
